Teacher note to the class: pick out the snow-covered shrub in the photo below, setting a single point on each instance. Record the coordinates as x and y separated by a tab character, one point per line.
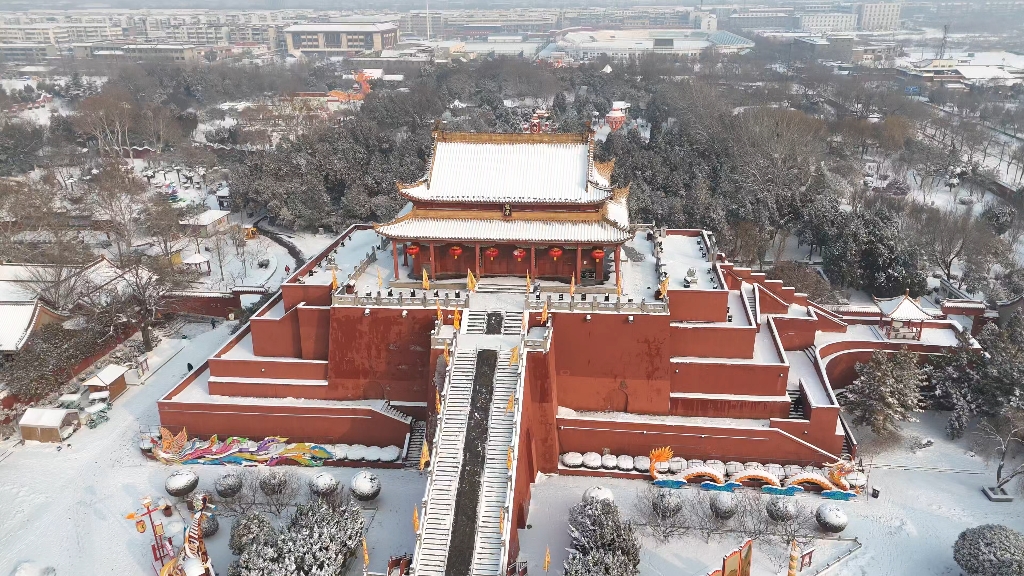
323	484
723	505
625	463
365	486
181	483
602	542
609	462
990	550
780	509
273	482
210	525
831	517
247	529
228	485
642	463
318	541
592	460
572	459
598	493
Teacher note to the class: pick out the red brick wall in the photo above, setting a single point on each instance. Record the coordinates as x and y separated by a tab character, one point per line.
382	355
712	341
314	331
725	378
277	337
712	407
699	305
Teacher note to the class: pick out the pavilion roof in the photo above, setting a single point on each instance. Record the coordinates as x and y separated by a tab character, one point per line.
902	309
511	168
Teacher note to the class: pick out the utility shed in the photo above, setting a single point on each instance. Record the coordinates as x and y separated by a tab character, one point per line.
48	424
110	379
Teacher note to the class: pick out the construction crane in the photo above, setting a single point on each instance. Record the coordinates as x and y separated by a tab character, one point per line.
941	53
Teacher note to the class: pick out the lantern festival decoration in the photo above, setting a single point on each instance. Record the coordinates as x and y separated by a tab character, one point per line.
597	254
519	254
555	252
491	252
455	251
412	250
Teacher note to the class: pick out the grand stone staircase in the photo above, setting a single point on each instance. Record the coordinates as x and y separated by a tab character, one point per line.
494	488
446	465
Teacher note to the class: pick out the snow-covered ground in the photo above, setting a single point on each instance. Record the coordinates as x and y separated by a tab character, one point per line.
66	508
927	498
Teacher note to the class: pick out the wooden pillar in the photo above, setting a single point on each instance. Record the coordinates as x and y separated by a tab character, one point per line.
476	265
433	274
617	272
394	256
599	267
579	265
533	262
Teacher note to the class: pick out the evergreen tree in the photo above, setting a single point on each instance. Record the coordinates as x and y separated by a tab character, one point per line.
886	391
603	544
958	384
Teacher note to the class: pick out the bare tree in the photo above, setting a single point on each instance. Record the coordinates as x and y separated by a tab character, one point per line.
118	197
998	436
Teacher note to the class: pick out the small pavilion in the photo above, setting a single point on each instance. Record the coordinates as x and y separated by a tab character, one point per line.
512	205
198	262
902	317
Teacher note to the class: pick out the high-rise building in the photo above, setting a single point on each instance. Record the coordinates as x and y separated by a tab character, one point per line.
878	17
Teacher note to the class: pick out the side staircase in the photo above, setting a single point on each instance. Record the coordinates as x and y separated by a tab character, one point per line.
513	324
446	465
494	487
417	435
474	322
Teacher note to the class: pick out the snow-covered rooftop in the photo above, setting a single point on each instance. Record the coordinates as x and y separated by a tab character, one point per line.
510	168
465	229
107	376
902	309
44	417
206	218
16	320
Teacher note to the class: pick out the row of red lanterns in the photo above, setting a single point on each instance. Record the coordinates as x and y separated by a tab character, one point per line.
493	252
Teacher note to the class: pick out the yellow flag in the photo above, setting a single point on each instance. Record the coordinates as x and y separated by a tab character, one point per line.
380	281
547	558
366	554
511	403
663	286
501	520
458	319
529	284
572	285
447	356
544	313
509	458
424	455
470	281
334	279
618	284
416	519
426	279
514	358
440	319
437	400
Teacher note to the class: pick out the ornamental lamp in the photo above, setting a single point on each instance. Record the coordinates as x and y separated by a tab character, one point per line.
455	251
491	252
555	252
519	254
597	254
412	250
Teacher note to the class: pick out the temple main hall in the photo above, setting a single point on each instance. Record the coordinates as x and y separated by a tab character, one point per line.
511	205
627	337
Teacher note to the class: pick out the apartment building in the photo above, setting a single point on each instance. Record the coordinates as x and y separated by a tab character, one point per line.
27	53
136	52
339	38
878	17
761	21
827	22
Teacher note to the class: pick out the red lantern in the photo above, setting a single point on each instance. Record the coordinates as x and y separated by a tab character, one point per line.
140	525
555	252
519	253
455	251
597	254
412	250
491	252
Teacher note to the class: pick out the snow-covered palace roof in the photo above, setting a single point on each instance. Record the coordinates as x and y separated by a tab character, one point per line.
416	227
511	168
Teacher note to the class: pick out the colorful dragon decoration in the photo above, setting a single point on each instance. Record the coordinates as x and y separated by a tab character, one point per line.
179	449
192	556
834	483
